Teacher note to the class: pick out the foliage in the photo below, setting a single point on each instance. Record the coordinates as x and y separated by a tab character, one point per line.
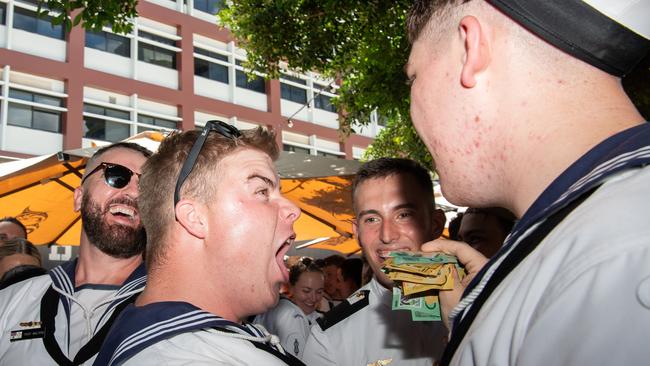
91	14
361	42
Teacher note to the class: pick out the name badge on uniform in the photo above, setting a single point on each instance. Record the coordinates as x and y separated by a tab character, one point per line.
28	330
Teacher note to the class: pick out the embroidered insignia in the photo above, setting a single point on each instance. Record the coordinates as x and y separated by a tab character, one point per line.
381	362
356	297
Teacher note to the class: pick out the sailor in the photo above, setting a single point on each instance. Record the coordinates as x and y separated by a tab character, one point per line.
218	232
529	94
292	318
394	211
62	317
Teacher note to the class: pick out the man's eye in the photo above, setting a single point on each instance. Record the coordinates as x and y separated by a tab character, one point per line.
403	215
263	191
371	220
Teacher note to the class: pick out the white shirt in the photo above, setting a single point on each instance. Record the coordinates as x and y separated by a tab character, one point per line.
375	333
290	324
89	309
179	333
205	347
583	296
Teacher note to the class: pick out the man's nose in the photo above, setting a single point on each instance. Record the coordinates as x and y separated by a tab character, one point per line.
389	232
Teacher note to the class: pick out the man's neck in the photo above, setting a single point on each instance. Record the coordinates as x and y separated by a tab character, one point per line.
98	268
558	133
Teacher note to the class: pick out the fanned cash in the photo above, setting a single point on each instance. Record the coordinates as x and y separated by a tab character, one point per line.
418	278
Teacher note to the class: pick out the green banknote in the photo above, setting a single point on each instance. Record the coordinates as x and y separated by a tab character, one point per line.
421	257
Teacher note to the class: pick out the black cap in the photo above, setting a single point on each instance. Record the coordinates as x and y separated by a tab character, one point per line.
611	35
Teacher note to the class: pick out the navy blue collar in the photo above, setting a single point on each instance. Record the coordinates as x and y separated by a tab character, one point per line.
140	327
617	146
63	279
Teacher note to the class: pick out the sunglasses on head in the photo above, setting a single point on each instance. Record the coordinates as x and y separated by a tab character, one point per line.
223	129
115	175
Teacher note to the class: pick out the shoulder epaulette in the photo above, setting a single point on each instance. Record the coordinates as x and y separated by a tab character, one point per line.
343	310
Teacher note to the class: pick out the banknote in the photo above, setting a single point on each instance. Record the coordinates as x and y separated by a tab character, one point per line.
418	277
401	302
401	257
441	278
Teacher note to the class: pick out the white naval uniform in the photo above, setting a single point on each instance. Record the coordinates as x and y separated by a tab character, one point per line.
368	331
178	333
582	296
80	314
290	324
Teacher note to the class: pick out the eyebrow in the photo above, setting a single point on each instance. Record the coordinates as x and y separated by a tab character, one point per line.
375	212
266	180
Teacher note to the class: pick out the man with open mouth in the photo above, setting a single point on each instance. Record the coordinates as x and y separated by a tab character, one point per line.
62	317
394	211
218	229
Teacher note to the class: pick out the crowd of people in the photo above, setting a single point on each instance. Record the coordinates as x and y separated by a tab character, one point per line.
182	256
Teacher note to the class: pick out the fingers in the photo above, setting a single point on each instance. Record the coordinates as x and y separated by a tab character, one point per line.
450	298
469	257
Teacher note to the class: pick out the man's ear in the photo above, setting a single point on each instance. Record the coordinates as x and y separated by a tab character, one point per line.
193	217
439	220
339	274
77	198
477	50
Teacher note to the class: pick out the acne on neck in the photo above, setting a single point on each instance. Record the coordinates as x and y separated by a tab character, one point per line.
554	130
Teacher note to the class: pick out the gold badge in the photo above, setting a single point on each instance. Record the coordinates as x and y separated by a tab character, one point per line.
381	362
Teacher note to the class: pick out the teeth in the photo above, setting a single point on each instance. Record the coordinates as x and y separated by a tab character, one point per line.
122	210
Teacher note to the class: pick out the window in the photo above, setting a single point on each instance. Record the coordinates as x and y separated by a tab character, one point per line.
157	122
103	129
3	11
324	102
109	42
291	148
255	84
156	55
209	6
157	38
291	92
35	97
211	70
39	118
28	21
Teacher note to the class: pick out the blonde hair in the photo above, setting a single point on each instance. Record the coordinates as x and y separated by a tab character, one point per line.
161	171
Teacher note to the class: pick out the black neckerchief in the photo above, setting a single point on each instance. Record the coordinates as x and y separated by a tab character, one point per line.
63	279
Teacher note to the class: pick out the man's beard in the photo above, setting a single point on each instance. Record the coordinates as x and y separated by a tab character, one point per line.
116	240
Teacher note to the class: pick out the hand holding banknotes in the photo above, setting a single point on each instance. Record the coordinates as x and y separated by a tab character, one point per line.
469	257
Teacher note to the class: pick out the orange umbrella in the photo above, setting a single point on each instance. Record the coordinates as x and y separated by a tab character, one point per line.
39	192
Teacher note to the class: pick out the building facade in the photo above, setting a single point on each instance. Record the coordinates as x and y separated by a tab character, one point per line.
176	69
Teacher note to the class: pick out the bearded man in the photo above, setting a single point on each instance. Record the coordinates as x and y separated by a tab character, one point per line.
62	317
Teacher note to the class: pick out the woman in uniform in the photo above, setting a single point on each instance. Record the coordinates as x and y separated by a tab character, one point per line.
291	319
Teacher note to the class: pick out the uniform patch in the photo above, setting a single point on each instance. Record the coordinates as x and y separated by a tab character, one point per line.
28	330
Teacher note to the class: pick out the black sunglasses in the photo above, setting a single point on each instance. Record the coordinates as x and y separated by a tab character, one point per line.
223	129
115	175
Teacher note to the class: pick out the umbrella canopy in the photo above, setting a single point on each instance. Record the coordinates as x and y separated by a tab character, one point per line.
39	192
